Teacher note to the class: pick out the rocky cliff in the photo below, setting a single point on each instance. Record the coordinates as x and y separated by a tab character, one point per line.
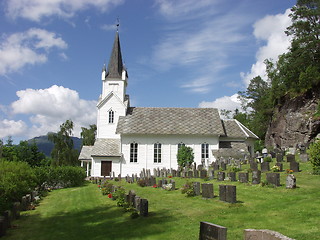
294	122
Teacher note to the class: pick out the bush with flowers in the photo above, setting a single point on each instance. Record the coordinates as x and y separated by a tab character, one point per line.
188	189
275	168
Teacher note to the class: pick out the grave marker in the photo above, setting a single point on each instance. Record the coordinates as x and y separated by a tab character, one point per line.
232	176
265	167
243	177
207	190
256	177
196	188
291	181
294	166
221	176
273	178
210	231
144	207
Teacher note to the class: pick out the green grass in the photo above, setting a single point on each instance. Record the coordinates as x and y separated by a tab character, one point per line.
84	213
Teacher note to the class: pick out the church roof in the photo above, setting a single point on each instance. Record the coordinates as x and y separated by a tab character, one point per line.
85	153
180	121
234	129
106	147
231	149
115	66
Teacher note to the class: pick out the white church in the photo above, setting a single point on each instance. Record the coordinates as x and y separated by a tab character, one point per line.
132	138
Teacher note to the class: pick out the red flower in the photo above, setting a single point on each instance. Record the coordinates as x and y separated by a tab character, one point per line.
109	195
154	186
170	176
99	186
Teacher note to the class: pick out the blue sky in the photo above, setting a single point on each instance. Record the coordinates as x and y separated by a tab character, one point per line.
179	53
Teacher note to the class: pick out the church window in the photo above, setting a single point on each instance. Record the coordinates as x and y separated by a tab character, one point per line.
157	153
111	116
204	150
133	152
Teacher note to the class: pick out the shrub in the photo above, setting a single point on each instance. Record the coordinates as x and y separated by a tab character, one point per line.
185	156
188	189
142	182
106	188
314	155
119	196
267	159
16	180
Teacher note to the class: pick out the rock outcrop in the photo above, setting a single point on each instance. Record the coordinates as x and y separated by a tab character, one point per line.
294	122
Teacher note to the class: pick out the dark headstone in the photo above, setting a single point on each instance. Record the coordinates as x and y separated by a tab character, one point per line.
294	166
223	166
160	183
196	188
221	176
3	228
273	154
16	210
203	174
232	176
173	183
209	231
190	174
222	192
195	173
279	157
216	167
280	165
132	196
253	165
273	178
291	181
24	204
291	158
207	190
265	167
256	177
144	207
7	218
231	194
243	177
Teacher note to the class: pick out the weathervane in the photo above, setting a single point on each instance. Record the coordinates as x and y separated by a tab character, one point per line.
118	24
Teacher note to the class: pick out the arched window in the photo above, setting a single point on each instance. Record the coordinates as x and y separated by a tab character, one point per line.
157	153
111	116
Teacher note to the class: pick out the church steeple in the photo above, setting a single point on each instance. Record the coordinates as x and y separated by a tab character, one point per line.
115	66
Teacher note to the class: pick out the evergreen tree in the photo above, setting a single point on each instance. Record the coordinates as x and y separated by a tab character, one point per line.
89	135
185	156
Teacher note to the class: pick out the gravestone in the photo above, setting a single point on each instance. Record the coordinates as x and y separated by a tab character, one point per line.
273	154
216	167
279	157
291	158
304	157
132	196
153	181
3	229
210	231
24	204
253	165
211	174
223	166
196	188
16	210
222	192
174	173
280	165
294	166
265	167
160	183
231	194
190	174
144	211
221	176
7	219
207	190
243	177
263	234
136	203
291	181
256	177
173	183
232	176
195	173
273	178
203	173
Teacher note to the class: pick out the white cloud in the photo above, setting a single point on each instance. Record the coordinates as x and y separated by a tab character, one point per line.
269	29
109	27
12	128
35	10
29	47
227	102
49	108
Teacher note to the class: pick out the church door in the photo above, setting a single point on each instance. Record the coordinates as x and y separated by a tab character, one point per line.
106	168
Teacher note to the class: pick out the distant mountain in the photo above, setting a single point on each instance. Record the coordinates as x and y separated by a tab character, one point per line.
45	146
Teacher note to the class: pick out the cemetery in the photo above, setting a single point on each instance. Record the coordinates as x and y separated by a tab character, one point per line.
226	203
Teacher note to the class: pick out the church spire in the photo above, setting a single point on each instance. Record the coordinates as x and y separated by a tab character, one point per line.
115	66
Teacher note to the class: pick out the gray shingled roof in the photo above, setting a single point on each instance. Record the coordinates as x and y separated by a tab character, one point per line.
106	147
234	129
85	153
181	121
115	66
231	149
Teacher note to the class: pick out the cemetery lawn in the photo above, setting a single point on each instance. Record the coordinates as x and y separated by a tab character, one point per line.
84	213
